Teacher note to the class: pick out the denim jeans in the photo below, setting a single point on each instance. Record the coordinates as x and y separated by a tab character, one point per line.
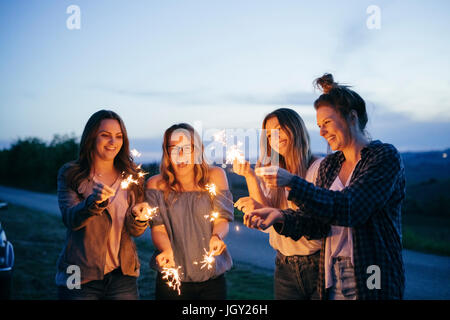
344	287
295	277
114	286
213	289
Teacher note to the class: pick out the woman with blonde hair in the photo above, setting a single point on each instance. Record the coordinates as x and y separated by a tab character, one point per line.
192	223
285	142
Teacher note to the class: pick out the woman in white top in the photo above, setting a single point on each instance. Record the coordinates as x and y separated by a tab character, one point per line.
288	146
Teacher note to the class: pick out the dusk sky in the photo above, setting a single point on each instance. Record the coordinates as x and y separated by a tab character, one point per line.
224	63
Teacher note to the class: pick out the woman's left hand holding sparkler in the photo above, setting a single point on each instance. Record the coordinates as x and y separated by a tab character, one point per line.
216	245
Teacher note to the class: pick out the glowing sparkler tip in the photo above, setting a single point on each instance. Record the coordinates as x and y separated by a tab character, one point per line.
126	183
151	213
211	188
135	153
208	260
172	276
234	153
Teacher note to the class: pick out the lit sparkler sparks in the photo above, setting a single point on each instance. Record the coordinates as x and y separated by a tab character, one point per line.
150	213
208	260
211	188
135	153
235	153
220	137
213	216
141	172
126	183
172	276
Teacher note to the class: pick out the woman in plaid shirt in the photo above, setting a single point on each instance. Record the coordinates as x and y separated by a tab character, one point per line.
358	197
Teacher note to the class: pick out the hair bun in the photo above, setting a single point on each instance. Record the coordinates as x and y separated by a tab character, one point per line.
325	82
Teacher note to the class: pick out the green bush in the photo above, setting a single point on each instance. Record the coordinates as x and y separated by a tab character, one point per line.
31	163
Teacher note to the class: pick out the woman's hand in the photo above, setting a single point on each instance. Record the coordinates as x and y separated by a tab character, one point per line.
140	211
247	204
216	245
263	218
242	168
102	192
165	259
274	177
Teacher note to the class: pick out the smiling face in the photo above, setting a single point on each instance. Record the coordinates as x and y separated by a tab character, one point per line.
109	140
333	128
181	152
281	144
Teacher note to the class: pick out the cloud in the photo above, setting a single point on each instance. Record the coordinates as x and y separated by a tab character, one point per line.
283	98
406	133
205	97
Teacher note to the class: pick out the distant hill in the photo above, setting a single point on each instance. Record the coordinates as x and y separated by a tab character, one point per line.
423	166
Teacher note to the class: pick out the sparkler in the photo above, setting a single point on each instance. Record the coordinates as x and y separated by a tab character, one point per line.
234	153
213	216
141	172
126	183
208	260
173	278
136	153
150	213
211	188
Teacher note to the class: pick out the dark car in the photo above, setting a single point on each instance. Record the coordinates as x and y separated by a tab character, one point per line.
6	262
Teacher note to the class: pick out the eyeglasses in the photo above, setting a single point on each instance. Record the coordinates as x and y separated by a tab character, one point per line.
175	150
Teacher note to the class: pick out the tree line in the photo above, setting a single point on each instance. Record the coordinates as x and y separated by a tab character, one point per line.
33	164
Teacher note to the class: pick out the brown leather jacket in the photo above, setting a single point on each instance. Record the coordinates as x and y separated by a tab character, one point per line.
88	226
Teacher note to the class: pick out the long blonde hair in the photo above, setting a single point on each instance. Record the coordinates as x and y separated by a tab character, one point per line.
299	150
201	168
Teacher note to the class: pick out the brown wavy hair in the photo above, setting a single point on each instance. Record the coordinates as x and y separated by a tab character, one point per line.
123	162
299	150
201	168
341	98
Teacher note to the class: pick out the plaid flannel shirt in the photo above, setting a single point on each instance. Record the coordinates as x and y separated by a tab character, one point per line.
370	205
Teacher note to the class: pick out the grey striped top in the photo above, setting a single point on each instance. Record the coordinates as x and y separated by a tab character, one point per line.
186	216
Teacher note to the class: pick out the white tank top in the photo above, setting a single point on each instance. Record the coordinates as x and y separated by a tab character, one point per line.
287	246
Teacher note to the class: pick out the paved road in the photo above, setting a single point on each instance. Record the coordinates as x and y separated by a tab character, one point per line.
427	276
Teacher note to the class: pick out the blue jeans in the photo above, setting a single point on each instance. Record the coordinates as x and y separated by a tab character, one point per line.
296	277
344	287
114	286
